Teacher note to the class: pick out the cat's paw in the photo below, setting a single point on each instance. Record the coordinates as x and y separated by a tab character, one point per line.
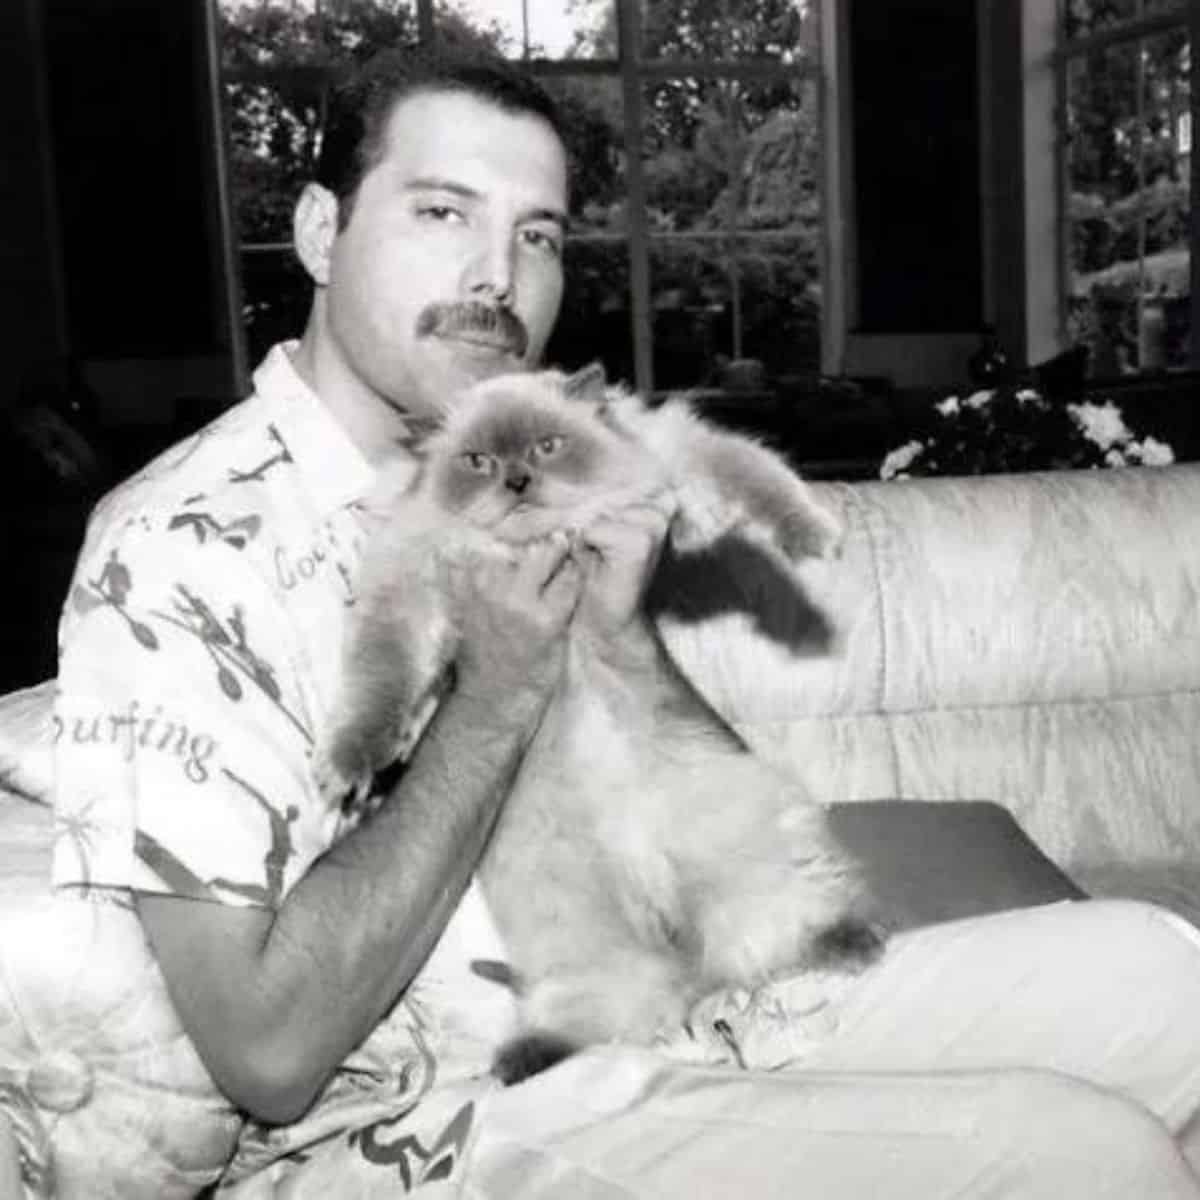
530	1054
808	531
849	944
343	776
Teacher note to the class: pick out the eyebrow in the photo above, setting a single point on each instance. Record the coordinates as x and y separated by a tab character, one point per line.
432	183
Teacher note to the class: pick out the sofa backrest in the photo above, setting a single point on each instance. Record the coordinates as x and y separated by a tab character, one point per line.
1029	639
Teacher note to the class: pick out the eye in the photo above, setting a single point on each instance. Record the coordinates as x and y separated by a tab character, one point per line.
545	240
440	213
480	464
547	447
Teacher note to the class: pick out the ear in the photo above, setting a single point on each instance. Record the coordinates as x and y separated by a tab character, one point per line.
588	383
314	227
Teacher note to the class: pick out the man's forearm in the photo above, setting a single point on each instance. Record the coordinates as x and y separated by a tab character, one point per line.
353	932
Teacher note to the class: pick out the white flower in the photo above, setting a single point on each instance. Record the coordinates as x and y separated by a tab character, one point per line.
1027	396
948	407
1154	453
1101	423
900	459
979	399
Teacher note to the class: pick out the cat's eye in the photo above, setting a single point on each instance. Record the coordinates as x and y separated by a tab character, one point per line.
481	464
551	445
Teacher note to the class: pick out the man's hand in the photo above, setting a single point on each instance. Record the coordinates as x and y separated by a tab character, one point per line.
512	613
620	553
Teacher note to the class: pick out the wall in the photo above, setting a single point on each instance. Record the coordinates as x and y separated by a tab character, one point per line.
145	279
33	321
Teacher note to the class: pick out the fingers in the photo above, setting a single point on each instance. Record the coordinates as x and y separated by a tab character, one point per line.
643	525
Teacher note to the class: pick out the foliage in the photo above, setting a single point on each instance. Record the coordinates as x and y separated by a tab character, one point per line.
1013	428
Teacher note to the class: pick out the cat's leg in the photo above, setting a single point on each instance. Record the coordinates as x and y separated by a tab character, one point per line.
794	900
635	996
395	663
754	479
724	478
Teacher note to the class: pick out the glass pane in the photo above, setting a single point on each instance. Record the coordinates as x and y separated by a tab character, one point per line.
730	29
595	322
289	33
741	314
1084	17
554	29
276	294
724	154
1129	205
273	140
692	309
732	171
591	109
268	33
779	306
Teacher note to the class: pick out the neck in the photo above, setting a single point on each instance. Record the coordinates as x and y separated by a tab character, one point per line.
374	426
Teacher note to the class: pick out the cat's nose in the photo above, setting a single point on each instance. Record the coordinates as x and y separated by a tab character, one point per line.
517	481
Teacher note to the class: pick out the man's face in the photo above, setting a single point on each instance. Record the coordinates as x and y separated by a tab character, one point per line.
450	268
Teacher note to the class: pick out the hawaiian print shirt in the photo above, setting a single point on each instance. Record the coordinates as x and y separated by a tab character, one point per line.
199	651
199	646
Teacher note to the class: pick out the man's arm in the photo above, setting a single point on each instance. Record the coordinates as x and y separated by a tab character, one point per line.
275	1001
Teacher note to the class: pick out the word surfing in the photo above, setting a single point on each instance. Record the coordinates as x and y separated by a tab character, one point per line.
132	732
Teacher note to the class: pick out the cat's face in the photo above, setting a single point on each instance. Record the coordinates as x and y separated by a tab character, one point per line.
520	459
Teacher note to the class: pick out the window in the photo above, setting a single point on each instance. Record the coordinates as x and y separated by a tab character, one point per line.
1128	232
696	219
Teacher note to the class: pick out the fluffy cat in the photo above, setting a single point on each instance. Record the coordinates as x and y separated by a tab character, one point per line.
645	855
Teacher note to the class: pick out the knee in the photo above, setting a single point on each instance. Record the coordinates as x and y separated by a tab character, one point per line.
1135	930
1106	1144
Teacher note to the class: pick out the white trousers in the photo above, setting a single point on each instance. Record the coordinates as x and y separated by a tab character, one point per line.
1049	1052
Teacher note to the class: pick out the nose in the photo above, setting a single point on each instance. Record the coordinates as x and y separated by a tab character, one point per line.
490	275
517	479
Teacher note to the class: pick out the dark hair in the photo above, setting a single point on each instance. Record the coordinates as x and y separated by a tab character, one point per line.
361	104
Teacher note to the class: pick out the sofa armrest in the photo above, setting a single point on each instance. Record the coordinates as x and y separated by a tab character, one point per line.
940	861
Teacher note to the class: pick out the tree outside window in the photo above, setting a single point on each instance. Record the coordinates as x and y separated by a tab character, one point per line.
1128	224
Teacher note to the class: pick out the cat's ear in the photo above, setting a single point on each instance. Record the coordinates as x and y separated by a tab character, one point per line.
588	383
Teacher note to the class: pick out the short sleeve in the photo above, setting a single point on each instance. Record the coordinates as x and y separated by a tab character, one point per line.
182	736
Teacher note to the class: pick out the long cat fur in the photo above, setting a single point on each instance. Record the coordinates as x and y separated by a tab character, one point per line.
644	855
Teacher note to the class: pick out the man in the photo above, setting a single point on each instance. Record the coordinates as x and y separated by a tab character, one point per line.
287	932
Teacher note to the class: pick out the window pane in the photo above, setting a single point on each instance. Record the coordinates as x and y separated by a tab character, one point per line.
752	301
271	33
692	303
595	322
726	159
591	109
1084	17
779	305
276	294
273	139
724	154
729	29
1129	204
538	28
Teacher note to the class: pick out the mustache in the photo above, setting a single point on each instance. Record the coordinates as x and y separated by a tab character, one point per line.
474	316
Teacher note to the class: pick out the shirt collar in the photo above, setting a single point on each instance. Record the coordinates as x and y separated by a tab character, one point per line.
335	471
